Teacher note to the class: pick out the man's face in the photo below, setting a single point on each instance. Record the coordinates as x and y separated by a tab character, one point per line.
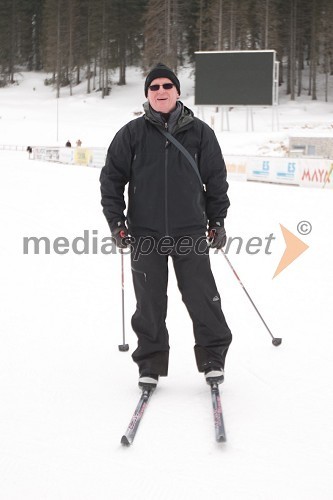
162	100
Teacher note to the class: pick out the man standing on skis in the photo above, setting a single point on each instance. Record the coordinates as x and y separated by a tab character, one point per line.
172	203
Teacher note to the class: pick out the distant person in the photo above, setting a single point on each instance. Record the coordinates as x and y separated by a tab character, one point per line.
171	201
29	149
68	144
78	143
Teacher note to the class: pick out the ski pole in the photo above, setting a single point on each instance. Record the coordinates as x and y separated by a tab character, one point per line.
123	347
276	340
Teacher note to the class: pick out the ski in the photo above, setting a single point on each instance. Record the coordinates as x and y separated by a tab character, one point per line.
217	413
128	438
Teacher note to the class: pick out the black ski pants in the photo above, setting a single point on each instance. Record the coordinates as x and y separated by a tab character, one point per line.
196	283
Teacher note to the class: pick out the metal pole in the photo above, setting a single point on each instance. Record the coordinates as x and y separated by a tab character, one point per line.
57	119
123	347
276	341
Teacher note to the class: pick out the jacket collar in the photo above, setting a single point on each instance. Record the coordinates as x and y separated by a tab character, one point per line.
179	118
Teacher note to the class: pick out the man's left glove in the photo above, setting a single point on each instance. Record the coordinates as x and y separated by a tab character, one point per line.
217	235
120	237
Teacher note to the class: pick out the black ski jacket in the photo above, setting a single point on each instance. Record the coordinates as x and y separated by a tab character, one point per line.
165	196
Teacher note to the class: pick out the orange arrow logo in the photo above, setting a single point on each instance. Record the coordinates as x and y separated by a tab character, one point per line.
294	248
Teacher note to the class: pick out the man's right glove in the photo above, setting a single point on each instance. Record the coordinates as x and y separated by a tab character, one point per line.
120	237
217	236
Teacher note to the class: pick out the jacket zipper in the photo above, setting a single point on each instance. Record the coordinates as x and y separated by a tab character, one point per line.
166	185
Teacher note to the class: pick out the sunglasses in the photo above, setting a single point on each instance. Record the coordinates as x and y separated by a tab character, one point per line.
166	86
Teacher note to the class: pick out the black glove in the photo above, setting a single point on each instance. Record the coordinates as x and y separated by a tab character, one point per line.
120	237
217	235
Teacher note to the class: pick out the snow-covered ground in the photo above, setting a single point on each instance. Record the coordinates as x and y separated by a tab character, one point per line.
67	393
30	115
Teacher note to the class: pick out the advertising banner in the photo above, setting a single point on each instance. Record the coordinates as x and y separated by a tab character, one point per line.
66	155
46	153
236	167
98	157
270	169
258	169
82	156
315	173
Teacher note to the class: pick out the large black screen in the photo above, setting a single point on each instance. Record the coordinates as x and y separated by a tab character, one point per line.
234	78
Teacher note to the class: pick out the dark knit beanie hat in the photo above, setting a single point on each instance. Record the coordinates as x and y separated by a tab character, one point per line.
161	71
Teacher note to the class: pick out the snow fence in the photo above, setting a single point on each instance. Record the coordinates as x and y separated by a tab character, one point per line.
278	170
89	157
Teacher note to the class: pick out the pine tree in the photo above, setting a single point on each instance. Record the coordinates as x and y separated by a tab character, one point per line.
8	40
162	21
327	41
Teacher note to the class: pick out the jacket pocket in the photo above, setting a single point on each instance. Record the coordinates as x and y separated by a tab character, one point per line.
139	274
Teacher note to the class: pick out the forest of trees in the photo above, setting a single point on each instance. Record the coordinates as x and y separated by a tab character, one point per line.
76	40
